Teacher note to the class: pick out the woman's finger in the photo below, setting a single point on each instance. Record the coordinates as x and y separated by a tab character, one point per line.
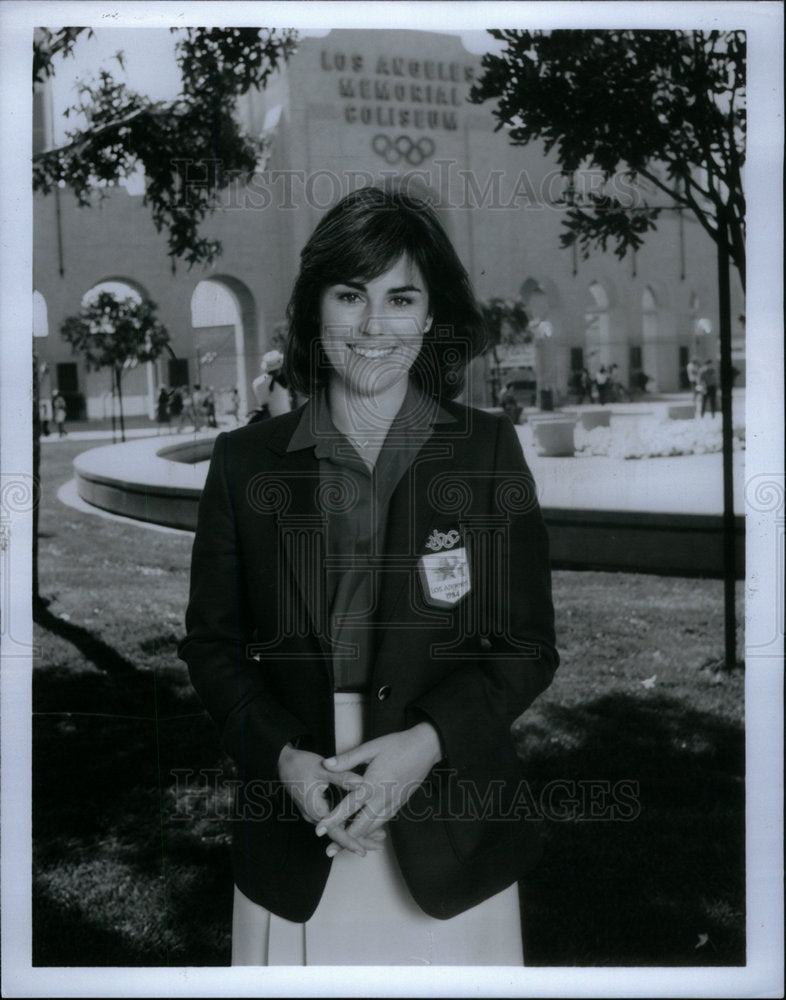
361	754
374	842
316	804
343	779
355	799
340	836
366	825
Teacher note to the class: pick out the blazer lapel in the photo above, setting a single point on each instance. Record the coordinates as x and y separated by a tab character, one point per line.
301	538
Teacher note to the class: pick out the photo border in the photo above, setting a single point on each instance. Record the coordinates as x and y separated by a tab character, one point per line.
763	975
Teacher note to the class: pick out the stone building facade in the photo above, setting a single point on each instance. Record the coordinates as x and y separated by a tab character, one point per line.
353	108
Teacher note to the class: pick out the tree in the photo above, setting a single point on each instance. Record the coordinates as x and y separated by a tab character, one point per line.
666	106
117	334
507	323
190	148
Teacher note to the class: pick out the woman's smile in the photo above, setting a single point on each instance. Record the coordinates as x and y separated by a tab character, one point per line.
372	329
364	351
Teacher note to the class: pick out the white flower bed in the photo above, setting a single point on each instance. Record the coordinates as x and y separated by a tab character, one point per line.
642	437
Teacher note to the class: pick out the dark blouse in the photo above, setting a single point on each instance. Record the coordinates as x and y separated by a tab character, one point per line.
357	517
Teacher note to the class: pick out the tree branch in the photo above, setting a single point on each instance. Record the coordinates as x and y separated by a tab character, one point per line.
160	110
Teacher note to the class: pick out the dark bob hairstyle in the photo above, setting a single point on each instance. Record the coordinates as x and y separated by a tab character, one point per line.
359	239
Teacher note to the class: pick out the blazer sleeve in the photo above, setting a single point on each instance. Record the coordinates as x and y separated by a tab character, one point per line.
516	659
253	725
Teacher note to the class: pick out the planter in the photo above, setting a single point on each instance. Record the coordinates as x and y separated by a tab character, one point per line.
554	437
595	418
682	411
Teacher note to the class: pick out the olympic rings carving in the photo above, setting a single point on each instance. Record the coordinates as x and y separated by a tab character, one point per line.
403	148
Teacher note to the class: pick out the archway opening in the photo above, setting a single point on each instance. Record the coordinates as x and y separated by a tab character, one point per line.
649	315
597	327
40	316
138	381
223	322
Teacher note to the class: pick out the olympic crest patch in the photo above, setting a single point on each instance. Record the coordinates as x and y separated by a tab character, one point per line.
444	573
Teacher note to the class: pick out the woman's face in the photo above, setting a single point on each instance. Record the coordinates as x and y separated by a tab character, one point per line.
372	331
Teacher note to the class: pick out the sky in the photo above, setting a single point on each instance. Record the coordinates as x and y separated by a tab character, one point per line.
149	64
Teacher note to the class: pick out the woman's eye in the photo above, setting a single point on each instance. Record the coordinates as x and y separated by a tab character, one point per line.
348	297
401	300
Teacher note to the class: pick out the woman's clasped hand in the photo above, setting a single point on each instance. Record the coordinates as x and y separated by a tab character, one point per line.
395	766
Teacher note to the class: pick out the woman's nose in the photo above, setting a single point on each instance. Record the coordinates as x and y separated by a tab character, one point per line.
372	324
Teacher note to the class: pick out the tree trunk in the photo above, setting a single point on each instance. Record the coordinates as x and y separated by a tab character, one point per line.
729	541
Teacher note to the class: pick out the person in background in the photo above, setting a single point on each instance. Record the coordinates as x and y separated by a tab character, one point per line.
692	374
602	384
709	386
187	411
194	406
176	406
640	382
44	397
271	388
209	406
585	386
616	390
233	406
162	409
59	408
510	404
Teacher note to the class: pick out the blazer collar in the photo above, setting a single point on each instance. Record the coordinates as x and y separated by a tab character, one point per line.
313	425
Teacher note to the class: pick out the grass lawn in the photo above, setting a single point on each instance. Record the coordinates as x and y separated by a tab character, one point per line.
633	760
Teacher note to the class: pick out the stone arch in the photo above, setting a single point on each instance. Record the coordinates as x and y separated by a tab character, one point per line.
138	384
606	328
649	314
40	315
663	350
116	283
551	353
226	345
597	325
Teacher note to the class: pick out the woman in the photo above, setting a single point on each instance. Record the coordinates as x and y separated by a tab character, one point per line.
370	593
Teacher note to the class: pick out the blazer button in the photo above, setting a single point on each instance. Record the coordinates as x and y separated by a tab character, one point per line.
384	692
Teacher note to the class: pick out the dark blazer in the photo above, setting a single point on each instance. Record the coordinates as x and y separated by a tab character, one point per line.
259	656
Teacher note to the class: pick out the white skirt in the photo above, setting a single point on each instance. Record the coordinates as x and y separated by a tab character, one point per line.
367	916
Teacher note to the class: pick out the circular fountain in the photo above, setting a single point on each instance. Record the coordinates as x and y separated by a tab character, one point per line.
151	479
